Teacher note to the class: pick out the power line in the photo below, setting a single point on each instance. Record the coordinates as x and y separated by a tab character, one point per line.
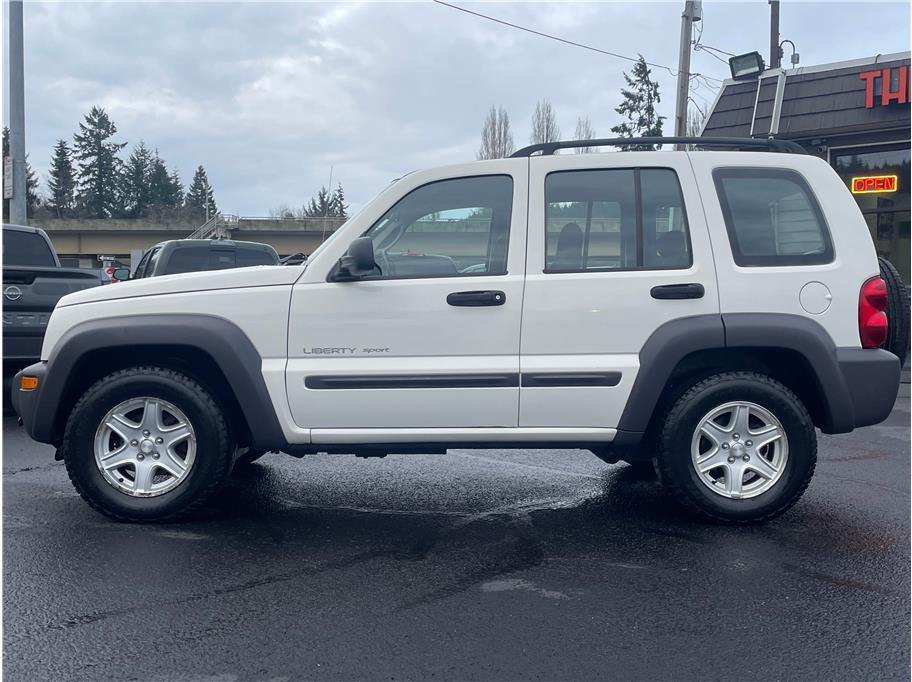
716	49
559	39
699	47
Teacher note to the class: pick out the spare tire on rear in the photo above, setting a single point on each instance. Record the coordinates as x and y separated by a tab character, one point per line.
897	311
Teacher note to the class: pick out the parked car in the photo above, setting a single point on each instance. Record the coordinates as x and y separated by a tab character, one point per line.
700	312
33	282
195	255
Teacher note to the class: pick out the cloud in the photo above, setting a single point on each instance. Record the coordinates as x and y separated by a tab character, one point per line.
269	96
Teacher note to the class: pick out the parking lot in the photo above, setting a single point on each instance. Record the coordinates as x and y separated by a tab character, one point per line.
504	564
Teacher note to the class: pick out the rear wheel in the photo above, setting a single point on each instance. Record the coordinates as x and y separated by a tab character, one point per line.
147	444
737	447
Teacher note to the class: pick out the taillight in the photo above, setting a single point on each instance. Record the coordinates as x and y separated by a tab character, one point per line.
872	320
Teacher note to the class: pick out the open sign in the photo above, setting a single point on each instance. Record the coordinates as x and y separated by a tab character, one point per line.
869	184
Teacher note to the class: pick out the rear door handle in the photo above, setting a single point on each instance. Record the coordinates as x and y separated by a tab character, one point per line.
476	298
678	291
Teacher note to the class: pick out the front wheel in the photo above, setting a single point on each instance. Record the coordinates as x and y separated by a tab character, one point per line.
738	447
147	444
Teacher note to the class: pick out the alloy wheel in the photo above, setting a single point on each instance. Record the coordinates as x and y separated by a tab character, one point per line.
145	447
739	450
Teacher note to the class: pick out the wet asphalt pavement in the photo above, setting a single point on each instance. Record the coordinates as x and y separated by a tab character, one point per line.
499	564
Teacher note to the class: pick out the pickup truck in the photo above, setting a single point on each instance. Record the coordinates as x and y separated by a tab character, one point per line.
33	282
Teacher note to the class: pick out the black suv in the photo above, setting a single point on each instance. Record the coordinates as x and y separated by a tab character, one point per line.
195	255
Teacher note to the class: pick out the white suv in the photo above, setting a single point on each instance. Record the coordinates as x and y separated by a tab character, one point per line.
701	312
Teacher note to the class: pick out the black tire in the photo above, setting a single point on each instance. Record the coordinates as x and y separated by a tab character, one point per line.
210	469
674	462
897	311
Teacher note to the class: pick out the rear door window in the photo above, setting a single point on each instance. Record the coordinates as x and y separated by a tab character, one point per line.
187	259
772	218
615	219
26	249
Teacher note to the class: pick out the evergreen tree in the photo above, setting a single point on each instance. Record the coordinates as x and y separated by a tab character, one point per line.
100	170
496	137
321	205
544	123
200	196
137	190
61	181
161	189
639	107
32	197
339	208
176	189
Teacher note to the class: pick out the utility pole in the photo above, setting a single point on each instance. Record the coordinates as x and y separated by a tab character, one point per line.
691	14
17	114
775	61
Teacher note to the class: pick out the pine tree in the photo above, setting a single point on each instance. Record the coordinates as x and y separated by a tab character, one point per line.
137	190
200	197
339	208
320	206
176	189
544	123
641	96
100	170
61	180
32	197
161	192
496	137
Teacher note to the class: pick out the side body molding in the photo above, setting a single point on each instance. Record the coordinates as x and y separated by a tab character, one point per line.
223	341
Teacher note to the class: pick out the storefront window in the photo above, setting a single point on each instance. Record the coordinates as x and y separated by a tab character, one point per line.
885	203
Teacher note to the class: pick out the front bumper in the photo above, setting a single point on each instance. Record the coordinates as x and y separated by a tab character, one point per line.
872	379
25	403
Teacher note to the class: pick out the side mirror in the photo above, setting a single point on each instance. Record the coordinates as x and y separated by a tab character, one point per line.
121	274
358	261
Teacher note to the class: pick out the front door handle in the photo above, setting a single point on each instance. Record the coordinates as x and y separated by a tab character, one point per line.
678	291
476	298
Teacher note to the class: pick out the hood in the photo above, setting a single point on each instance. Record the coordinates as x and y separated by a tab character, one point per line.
234	278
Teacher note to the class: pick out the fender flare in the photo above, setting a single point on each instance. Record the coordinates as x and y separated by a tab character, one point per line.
675	340
224	342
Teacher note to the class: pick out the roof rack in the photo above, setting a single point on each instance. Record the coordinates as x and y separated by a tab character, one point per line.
773	145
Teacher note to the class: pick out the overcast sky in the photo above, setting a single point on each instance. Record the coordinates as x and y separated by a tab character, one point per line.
268	96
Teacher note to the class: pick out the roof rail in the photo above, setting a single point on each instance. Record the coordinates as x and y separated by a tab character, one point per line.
773	145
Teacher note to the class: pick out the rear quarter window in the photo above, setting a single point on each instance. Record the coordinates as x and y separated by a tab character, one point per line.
772	218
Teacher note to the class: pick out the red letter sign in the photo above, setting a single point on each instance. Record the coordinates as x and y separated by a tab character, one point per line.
869	77
888	95
869	184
